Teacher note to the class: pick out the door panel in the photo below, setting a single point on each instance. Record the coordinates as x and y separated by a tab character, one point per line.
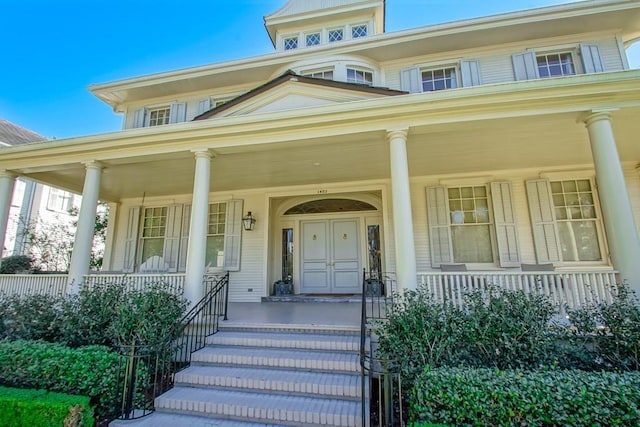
331	256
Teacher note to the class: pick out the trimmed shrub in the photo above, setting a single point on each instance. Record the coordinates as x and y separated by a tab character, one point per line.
32	317
16	263
40	408
87	371
483	397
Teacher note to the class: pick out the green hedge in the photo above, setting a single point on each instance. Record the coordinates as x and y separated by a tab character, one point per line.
483	397
87	371
40	408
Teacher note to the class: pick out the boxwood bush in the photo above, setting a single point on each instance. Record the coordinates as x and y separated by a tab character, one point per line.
490	397
40	408
87	371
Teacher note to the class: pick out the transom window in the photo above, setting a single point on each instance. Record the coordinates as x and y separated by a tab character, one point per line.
439	79
576	217
215	235
290	43
153	231
359	76
555	64
470	224
358	31
320	74
313	39
336	35
159	116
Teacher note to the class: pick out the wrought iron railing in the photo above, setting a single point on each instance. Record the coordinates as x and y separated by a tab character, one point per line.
381	383
148	370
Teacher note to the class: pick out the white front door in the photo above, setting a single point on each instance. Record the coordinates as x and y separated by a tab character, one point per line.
331	256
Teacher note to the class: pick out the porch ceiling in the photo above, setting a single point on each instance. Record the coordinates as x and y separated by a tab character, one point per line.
478	146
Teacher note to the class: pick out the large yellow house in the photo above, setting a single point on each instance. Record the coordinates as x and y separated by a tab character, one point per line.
481	144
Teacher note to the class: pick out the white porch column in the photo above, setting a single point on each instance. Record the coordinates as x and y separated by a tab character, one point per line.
622	234
402	216
7	183
81	255
196	251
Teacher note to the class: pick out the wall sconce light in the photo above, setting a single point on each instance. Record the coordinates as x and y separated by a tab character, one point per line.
248	221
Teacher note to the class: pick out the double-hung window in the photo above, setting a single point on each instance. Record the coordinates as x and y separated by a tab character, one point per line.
439	79
153	233
215	235
159	116
464	73
176	112
59	200
557	62
565	221
472	224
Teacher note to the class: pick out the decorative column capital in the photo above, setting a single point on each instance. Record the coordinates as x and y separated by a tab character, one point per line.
202	153
4	173
93	164
596	115
398	133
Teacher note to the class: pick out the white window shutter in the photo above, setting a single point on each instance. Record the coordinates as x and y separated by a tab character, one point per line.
505	224
470	71
439	228
139	117
184	238
410	80
233	235
204	105
131	240
171	251
545	230
525	66
591	58
178	112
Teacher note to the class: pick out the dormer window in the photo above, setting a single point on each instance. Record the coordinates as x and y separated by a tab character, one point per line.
355	75
290	43
326	74
336	35
159	116
555	64
358	31
313	39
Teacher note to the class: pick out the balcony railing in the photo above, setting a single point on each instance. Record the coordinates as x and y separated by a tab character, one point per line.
567	290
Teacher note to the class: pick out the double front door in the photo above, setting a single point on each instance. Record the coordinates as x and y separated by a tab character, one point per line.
331	256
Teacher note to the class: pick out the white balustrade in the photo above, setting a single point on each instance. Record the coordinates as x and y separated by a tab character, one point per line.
138	281
566	290
31	284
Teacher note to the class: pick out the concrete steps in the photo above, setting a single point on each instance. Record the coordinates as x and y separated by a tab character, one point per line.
275	375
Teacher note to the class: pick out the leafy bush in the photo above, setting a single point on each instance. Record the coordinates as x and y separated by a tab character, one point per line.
607	335
508	329
15	263
40	408
87	371
488	397
31	317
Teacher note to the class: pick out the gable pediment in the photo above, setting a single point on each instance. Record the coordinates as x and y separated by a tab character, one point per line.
293	92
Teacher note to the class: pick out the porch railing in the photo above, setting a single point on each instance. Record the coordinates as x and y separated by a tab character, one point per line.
30	284
566	290
146	375
137	281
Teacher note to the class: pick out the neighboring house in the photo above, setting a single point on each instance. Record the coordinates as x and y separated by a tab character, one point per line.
32	204
489	142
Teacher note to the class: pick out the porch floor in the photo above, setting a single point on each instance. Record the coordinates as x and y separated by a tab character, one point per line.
338	316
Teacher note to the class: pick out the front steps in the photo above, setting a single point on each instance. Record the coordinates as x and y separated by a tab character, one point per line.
267	376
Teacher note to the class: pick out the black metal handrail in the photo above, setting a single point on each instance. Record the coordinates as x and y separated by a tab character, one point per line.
146	373
381	384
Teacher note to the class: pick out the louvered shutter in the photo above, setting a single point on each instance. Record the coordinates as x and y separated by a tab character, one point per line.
439	229
233	235
505	224
470	71
525	66
545	230
139	117
410	80
178	112
184	238
591	58
131	240
171	251
204	105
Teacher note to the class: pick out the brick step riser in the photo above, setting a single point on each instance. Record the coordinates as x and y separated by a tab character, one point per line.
247	414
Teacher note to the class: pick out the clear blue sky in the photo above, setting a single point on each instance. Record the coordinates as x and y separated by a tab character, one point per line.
54	49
